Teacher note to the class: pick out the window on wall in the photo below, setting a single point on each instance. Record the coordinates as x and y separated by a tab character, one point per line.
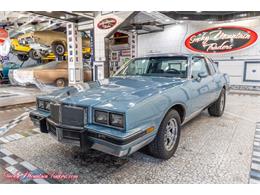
252	72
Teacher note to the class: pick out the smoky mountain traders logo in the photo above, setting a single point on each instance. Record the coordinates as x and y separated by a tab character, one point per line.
107	23
221	39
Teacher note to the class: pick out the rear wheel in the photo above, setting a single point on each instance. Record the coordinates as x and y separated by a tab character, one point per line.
58	48
60	82
167	139
44	53
34	55
218	107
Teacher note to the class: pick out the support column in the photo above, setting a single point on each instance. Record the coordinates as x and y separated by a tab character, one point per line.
105	26
75	61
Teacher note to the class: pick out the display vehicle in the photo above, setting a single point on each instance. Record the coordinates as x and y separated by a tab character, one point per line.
143	105
52	73
47	42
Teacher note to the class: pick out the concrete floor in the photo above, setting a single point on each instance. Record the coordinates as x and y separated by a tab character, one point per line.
11	95
211	150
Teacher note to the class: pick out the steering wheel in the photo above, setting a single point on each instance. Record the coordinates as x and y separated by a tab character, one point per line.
173	71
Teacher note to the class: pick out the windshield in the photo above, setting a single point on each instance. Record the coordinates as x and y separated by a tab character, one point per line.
175	66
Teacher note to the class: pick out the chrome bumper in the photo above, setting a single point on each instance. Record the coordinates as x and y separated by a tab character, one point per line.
86	139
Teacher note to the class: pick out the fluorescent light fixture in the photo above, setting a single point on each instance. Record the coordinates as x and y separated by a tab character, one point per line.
210	22
198	11
167	20
62	17
181	21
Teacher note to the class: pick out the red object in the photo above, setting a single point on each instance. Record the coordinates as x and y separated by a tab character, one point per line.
3	35
221	39
107	23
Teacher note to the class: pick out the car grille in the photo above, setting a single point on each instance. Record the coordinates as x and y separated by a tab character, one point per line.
72	116
55	112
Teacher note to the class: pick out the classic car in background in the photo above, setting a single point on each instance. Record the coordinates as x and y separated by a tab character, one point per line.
4	71
144	104
23	52
51	73
46	42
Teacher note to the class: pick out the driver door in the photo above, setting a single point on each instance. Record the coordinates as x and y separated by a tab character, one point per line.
199	87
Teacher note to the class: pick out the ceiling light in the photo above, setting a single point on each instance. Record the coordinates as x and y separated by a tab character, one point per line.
198	11
49	11
167	20
232	20
210	22
62	17
181	21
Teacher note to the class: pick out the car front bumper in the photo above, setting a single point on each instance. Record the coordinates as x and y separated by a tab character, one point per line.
88	138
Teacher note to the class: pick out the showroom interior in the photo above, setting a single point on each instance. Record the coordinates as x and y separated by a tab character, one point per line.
42	52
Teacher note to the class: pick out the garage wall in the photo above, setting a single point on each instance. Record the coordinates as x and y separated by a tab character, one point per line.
173	37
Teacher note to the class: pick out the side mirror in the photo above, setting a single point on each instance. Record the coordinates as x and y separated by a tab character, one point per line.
202	75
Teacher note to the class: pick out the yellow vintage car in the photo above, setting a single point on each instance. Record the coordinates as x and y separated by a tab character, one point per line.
46	42
25	51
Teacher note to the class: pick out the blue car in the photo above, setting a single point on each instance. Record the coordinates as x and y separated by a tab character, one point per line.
144	104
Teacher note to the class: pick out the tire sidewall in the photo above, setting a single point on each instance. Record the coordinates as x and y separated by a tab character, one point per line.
162	131
60	79
223	92
32	53
55	49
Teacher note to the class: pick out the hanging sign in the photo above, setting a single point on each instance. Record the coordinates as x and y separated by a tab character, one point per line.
221	39
107	23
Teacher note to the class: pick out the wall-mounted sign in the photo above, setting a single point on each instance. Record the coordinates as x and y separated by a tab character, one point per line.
221	39
107	23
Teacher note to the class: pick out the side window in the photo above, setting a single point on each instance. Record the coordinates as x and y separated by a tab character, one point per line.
198	65
210	65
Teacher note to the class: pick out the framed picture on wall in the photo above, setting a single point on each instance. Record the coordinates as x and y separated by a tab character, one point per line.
114	56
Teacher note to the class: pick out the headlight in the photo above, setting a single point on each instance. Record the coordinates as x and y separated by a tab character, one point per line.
41	104
109	119
47	106
116	120
101	117
44	105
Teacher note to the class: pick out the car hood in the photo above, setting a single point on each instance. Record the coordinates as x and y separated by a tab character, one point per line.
116	93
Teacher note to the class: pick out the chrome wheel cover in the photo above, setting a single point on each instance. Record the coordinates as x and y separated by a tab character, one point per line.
170	136
59	49
60	83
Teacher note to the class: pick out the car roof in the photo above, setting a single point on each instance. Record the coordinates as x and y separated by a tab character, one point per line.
170	55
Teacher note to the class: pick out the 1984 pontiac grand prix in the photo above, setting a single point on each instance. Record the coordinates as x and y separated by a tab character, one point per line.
144	104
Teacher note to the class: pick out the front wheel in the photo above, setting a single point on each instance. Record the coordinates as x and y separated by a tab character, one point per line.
167	139
218	107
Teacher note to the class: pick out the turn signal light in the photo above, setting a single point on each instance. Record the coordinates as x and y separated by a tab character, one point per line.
150	129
